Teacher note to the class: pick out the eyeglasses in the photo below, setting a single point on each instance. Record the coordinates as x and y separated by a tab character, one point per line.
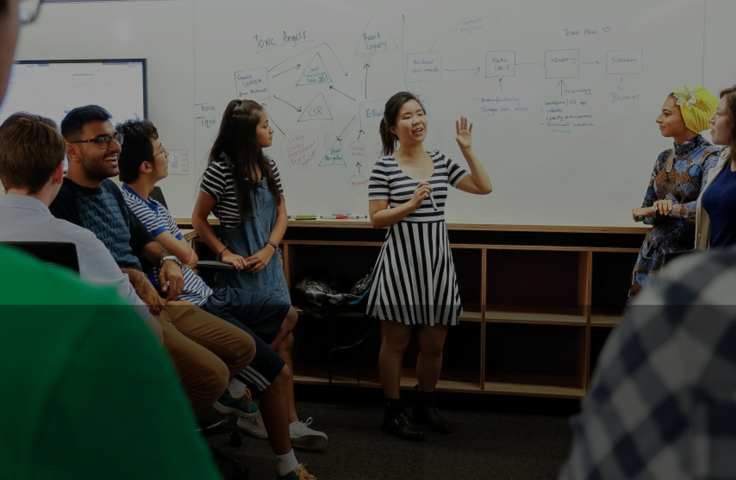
28	10
163	150
103	141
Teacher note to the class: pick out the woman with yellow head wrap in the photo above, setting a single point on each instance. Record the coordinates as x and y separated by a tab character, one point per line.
679	175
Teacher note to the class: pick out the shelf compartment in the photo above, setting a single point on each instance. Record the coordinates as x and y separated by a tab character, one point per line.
534	386
535	278
468	266
611	283
598	338
535	359
536	315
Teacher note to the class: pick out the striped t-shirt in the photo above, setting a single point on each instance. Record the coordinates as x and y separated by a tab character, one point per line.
389	182
218	183
157	219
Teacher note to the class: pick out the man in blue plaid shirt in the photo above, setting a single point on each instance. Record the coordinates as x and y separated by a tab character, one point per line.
662	403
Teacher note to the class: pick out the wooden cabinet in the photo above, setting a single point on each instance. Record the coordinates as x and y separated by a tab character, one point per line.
539	303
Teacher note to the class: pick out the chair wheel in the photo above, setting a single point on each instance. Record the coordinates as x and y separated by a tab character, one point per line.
236	439
240	473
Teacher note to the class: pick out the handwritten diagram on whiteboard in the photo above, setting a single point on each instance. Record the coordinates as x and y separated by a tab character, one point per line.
562	96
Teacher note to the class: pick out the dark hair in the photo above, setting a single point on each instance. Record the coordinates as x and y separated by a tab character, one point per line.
730	96
76	119
3	7
31	148
390	114
138	147
237	140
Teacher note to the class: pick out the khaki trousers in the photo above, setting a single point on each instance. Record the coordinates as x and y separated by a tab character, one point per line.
205	350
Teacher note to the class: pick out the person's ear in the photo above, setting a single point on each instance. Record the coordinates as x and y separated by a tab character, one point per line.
72	152
146	167
57	176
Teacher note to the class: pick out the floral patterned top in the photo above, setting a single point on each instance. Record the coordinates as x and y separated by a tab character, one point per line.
682	184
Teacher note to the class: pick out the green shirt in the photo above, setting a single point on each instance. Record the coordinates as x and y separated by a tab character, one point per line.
85	391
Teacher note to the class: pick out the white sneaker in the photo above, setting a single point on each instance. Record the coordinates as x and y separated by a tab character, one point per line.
304	437
252	424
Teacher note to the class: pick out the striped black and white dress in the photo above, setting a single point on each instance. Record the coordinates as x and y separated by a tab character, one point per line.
415	281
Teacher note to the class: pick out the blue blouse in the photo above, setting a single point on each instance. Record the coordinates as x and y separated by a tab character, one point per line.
719	200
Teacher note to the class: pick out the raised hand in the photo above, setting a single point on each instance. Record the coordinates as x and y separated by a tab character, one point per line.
464	132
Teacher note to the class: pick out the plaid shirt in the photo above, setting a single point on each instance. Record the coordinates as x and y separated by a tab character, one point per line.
662	402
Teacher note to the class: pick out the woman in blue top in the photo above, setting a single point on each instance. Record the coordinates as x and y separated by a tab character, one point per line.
678	177
414	281
716	227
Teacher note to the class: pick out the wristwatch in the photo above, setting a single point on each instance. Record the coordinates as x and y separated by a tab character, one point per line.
173	258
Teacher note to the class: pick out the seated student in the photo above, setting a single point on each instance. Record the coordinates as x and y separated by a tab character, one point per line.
90	199
31	163
142	163
716	228
62	373
58	376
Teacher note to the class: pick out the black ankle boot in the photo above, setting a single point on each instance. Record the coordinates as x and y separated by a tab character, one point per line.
426	413
396	421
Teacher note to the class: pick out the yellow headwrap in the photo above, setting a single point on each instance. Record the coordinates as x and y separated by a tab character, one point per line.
697	105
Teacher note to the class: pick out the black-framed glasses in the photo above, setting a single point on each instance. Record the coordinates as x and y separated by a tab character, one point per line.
163	150
103	141
28	10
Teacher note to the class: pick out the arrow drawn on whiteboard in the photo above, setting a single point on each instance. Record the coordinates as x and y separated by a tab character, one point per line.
292	106
561	83
476	70
621	84
359	132
500	83
592	63
333	88
358	165
269	116
292	68
438	38
312	48
339	137
366	66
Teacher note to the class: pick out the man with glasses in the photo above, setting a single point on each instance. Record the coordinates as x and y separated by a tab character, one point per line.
74	356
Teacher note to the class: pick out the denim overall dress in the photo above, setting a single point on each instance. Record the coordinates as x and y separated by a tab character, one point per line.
249	236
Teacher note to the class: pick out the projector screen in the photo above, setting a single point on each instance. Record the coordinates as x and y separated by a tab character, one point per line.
51	88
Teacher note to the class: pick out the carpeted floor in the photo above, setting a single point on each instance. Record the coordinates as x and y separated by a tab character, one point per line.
495	437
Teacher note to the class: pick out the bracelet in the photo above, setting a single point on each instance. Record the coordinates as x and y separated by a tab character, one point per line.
273	244
219	255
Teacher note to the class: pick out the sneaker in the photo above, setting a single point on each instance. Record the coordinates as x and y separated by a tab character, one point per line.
304	437
300	473
250	418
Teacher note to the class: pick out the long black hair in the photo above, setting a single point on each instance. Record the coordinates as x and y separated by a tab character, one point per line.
390	114
237	140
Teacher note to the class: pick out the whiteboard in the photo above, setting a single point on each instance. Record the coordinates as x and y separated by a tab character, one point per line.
562	93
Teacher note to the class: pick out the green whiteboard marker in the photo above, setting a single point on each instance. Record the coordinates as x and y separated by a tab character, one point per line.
305	217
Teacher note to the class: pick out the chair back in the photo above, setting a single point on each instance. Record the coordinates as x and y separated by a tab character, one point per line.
158	195
55	253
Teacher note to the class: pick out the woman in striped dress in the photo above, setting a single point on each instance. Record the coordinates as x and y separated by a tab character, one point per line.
415	282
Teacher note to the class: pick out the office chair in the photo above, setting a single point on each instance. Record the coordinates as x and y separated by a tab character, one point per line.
54	253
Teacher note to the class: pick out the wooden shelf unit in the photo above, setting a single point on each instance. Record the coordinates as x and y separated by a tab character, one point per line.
539	304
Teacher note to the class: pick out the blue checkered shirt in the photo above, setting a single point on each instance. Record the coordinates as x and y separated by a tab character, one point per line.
662	402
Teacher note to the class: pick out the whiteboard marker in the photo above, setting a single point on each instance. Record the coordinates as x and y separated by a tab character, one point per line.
431	199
